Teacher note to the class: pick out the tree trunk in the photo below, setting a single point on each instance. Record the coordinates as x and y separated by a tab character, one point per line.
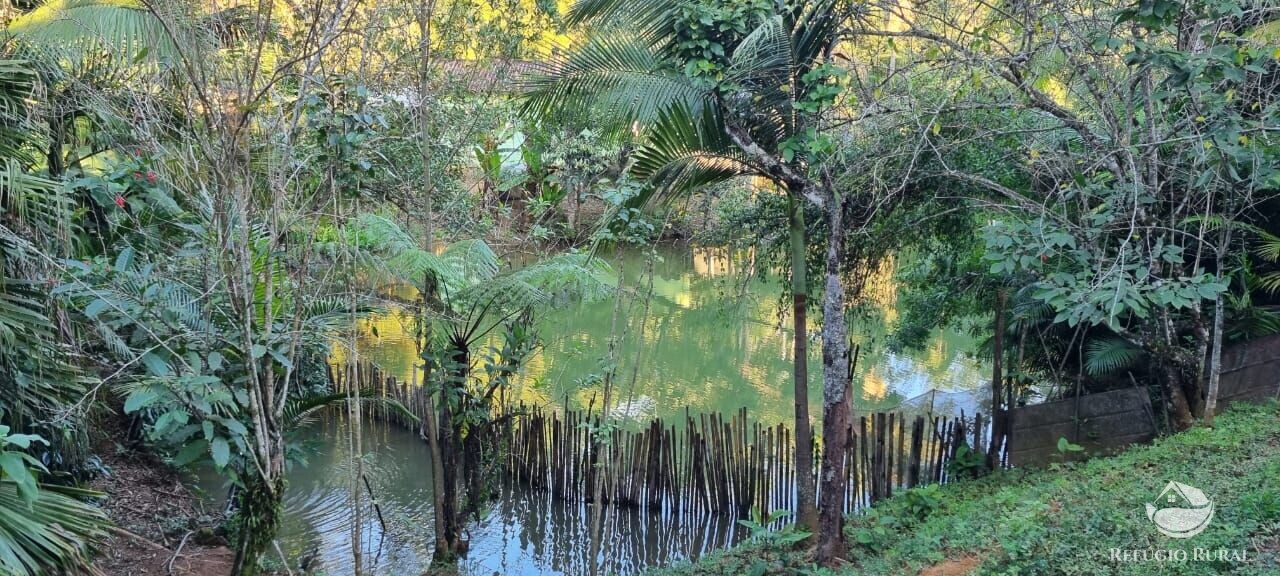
1181	409
57	136
806	491
425	9
355	439
835	402
1215	363
256	518
1215	356
444	540
450	451
998	414
447	542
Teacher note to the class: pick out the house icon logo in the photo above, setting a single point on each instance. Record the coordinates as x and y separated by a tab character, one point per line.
1180	511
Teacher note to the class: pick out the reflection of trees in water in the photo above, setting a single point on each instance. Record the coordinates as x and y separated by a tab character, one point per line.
555	536
522	531
715	341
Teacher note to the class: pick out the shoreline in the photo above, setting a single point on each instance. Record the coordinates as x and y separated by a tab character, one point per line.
161	527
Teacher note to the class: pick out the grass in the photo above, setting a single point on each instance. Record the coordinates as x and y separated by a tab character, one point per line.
1064	518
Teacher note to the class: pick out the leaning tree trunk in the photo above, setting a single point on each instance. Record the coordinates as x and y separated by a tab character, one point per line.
835	401
806	491
431	430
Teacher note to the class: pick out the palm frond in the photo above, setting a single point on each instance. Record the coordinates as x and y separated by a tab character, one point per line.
620	76
765	56
36	375
685	152
815	31
1270	282
299	409
79	31
1105	356
652	17
54	535
1247	319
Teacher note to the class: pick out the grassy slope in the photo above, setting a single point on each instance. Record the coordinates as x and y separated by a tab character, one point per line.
1066	518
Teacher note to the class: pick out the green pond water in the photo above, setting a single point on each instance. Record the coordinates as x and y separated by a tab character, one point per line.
711	342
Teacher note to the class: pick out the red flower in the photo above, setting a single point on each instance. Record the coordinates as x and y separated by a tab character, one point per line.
137	175
119	200
151	176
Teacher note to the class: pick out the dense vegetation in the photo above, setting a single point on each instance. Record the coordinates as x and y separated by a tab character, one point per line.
197	205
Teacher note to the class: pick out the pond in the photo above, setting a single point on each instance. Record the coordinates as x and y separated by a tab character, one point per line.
711	342
522	533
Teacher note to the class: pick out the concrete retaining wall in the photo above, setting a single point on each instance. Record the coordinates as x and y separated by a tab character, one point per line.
1109	421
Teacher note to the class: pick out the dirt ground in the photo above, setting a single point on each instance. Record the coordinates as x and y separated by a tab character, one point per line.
154	513
961	566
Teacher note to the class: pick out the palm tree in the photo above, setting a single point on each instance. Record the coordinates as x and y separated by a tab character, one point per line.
740	98
88	53
42	530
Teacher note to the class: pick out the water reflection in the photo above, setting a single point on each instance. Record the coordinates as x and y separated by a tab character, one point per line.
713	341
716	340
521	533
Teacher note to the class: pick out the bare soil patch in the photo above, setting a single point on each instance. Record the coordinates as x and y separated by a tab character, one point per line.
961	566
154	513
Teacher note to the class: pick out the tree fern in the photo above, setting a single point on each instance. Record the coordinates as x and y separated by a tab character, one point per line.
571	276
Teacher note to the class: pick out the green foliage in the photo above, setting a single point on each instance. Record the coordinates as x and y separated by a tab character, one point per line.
46	529
53	532
681	69
762	526
81	34
1066	447
875	531
707	33
1105	356
341	125
16	466
922	501
1069	269
967	463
